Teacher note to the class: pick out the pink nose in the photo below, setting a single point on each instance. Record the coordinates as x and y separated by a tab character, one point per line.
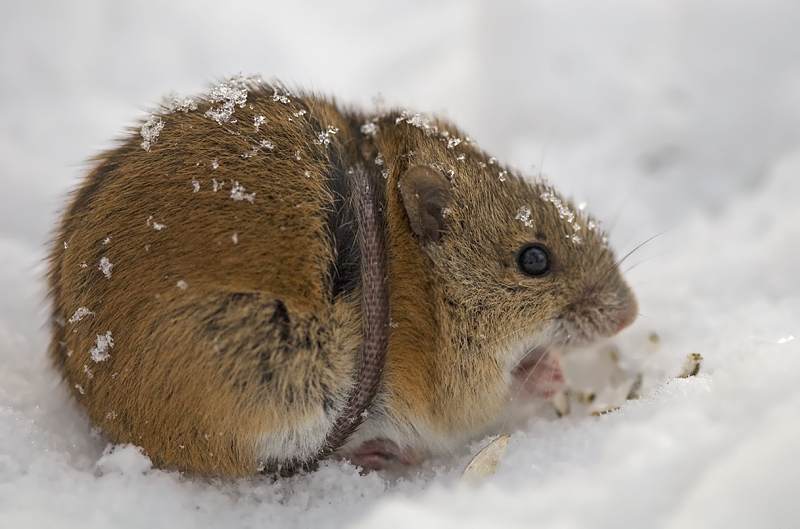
626	320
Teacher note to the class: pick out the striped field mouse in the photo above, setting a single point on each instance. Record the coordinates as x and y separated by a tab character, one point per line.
256	279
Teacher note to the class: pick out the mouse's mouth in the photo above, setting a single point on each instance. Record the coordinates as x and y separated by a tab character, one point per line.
538	373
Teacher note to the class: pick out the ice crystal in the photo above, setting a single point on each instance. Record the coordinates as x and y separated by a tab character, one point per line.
300	113
102	344
379	159
461	157
105	267
216	186
324	137
297	155
79	314
195	186
79	388
502	176
111	415
182	285
524	214
176	103
235	238
306	174
239	193
370	129
150	131
385	173
158	226
87	371
258	121
563	210
452	142
214	163
266	144
418	120
565	213
280	93
230	94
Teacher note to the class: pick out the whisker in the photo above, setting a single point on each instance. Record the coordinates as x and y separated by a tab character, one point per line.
544	154
619	262
518	362
645	260
647	281
615	266
520	331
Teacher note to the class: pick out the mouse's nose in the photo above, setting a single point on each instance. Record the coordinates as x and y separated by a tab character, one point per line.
628	310
624	322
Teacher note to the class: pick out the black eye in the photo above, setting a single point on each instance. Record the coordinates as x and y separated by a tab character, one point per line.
534	260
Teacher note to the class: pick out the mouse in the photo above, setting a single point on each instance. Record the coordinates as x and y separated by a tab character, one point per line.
260	278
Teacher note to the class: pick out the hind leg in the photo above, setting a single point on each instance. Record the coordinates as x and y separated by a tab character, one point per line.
233	382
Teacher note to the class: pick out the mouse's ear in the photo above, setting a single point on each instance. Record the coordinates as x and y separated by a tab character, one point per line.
426	194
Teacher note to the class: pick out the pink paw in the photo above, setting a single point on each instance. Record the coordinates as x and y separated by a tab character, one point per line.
539	375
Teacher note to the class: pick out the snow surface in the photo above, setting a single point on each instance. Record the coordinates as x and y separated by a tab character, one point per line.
672	118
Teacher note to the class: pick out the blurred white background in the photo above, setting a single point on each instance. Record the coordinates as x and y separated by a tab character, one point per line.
672	117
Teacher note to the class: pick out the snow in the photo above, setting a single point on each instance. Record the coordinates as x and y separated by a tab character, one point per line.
175	103
370	129
231	94
105	265
258	121
79	314
103	343
524	214
150	130
238	192
671	118
325	136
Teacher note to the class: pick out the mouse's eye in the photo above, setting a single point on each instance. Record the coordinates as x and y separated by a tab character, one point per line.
534	260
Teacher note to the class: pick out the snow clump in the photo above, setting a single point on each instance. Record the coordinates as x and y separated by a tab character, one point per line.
150	130
230	94
105	267
102	344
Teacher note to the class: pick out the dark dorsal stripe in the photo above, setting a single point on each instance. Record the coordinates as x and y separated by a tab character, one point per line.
343	226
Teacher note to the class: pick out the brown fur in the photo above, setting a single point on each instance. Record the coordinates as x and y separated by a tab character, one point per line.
255	342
